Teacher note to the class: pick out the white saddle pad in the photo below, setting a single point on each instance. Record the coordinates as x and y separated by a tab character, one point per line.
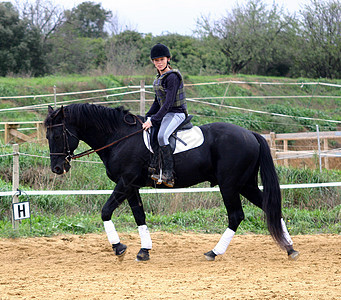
192	137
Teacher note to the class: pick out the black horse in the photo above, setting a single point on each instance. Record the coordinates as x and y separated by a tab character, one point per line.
230	157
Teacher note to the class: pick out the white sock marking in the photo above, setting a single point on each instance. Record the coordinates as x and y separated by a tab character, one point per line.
286	233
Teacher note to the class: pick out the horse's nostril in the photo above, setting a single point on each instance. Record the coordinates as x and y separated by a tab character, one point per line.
57	170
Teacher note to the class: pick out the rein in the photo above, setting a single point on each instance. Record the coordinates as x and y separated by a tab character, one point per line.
90	151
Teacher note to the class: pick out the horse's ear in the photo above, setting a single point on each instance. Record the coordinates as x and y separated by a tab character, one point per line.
60	112
50	109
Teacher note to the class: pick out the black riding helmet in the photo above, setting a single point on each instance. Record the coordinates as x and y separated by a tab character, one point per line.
159	50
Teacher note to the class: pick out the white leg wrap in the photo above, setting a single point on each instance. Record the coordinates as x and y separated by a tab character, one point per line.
224	242
146	241
111	232
286	233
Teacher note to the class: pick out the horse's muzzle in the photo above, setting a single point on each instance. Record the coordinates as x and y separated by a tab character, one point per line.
61	168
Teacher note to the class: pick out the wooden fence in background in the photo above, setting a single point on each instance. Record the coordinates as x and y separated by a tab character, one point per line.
279	144
13	133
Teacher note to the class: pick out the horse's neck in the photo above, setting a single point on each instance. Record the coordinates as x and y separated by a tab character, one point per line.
93	137
96	138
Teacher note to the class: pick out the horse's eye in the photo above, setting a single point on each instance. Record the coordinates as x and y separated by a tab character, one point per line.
57	137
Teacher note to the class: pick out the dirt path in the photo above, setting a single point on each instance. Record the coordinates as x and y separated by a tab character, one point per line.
84	267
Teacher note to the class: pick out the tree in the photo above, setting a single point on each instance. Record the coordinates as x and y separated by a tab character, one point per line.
20	45
41	14
249	35
78	45
320	48
89	19
125	53
72	55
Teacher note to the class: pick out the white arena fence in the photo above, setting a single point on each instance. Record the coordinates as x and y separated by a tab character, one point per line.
156	191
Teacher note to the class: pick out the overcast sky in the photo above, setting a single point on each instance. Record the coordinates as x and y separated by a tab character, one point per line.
174	16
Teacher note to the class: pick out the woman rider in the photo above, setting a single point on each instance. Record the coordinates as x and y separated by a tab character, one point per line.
167	112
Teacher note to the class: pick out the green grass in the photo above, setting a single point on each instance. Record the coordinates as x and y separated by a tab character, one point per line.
212	220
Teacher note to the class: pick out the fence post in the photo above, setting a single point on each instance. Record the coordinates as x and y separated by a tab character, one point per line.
285	149
7	133
142	98
40	133
227	88
273	145
319	147
55	96
325	148
15	181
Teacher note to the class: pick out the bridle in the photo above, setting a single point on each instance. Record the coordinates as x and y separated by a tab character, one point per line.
67	152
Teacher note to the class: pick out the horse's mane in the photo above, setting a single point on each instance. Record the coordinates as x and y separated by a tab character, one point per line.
105	119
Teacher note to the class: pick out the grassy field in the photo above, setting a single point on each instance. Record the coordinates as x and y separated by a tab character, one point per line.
306	210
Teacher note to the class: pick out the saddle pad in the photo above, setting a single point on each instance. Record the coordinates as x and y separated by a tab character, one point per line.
192	137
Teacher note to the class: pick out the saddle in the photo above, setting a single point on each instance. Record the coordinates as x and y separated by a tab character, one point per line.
185	137
186	124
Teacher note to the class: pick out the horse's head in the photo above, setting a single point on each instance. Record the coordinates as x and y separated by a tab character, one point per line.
62	140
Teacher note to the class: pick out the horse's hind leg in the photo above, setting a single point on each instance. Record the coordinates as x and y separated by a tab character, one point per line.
255	196
235	215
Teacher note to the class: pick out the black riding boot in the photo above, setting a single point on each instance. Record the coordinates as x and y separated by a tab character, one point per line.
167	166
154	163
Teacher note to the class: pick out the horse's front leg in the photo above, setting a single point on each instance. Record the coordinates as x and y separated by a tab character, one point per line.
136	206
117	197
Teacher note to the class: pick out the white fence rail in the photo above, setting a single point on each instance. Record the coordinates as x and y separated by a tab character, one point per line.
157	191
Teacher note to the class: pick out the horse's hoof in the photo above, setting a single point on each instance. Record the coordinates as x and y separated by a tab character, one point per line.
293	254
210	255
120	250
143	255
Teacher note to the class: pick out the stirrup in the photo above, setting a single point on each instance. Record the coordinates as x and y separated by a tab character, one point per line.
160	178
157	177
169	182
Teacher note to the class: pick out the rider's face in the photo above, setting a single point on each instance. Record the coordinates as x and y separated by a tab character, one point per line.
160	63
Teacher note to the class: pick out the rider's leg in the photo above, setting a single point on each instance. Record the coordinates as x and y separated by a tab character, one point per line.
169	123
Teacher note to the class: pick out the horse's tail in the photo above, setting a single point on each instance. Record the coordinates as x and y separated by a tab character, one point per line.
272	203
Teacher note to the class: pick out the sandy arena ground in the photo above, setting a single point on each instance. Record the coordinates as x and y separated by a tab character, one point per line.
84	267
